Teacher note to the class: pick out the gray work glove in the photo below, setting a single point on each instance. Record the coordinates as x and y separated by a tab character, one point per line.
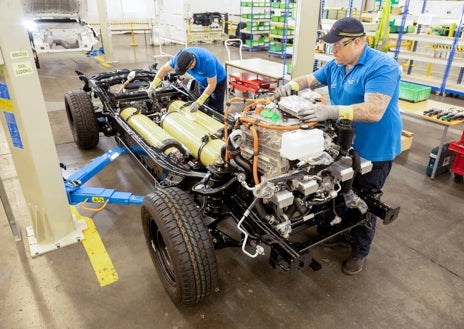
287	89
151	93
195	106
353	201
312	95
199	102
319	112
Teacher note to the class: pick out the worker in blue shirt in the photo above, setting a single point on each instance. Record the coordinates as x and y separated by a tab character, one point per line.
363	86
205	68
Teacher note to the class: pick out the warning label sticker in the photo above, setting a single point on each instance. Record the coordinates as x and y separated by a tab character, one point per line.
18	54
22	68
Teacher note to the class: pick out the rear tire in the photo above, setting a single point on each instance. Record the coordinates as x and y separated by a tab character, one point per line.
180	245
82	119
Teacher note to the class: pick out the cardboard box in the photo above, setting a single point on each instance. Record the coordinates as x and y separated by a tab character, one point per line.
406	140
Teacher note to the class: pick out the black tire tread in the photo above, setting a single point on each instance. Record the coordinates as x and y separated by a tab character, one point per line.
82	119
187	236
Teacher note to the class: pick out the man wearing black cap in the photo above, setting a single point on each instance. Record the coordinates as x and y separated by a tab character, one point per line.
363	86
205	68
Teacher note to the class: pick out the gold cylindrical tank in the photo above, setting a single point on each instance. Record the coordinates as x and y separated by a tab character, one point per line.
147	129
194	137
203	119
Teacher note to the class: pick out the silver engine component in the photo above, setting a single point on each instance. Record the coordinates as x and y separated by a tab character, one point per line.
304	166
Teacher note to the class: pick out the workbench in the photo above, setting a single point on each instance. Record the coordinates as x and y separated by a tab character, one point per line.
257	69
417	110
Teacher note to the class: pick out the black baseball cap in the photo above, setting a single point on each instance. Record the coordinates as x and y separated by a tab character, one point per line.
184	60
347	27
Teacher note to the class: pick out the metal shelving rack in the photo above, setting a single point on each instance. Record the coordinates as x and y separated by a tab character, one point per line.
448	79
318	57
442	84
286	26
256	15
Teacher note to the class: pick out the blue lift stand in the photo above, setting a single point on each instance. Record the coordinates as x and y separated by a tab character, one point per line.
77	193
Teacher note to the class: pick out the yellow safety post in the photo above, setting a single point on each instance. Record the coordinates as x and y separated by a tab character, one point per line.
411	45
429	70
134	43
452	29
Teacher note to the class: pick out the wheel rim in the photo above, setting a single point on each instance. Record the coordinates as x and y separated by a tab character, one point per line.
162	254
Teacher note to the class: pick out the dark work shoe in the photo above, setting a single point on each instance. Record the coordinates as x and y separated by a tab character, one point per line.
353	265
337	241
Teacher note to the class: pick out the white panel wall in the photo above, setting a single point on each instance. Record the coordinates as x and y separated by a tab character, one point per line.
221	6
357	4
127	10
122	10
438	9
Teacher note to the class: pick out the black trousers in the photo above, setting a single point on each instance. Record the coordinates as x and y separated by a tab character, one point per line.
371	181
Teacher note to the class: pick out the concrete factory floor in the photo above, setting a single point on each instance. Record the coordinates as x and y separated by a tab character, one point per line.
413	278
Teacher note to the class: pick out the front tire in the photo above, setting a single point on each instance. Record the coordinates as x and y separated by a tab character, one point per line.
82	119
180	245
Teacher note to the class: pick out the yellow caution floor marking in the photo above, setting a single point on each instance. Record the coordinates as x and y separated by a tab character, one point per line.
102	61
98	256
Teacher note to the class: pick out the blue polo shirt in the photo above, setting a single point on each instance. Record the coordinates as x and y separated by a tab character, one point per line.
207	65
375	72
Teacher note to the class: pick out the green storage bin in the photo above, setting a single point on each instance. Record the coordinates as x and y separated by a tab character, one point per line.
413	92
289	68
394	29
252	43
276	48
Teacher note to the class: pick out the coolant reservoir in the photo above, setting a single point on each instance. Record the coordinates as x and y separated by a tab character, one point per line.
302	144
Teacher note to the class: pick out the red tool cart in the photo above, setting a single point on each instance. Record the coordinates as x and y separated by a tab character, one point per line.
458	163
256	85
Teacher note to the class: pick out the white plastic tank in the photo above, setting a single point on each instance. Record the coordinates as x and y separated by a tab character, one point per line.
302	144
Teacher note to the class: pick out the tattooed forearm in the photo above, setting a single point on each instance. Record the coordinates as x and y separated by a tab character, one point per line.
372	109
314	84
308	81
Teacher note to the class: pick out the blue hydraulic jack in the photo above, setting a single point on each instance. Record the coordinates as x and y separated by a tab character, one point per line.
77	193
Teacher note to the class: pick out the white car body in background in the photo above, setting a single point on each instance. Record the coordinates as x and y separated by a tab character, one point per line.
58	25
